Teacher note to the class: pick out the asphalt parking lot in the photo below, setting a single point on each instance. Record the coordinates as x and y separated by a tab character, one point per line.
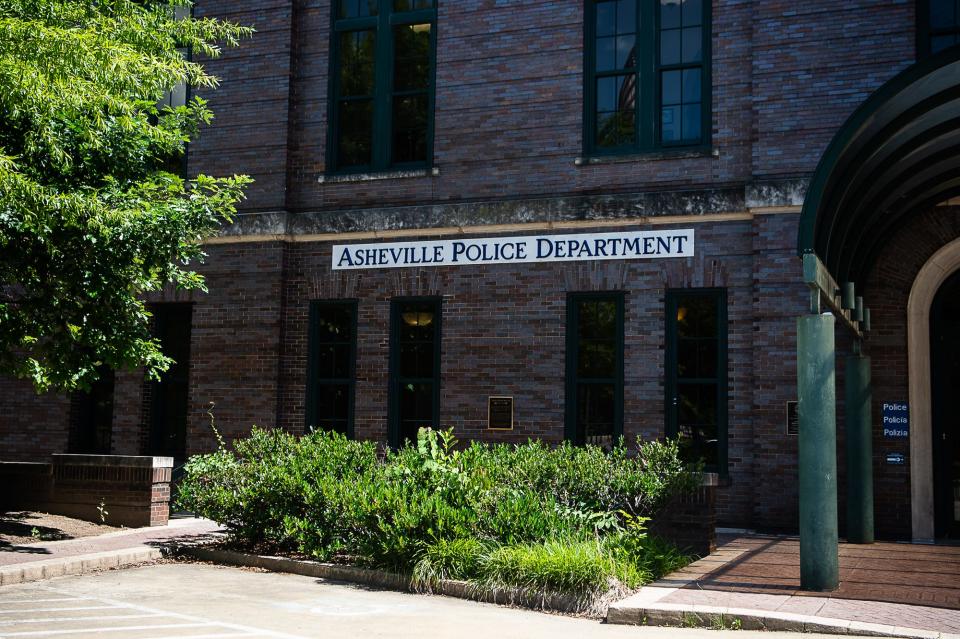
193	601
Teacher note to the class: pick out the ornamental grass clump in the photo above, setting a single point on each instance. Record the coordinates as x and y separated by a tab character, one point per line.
567	521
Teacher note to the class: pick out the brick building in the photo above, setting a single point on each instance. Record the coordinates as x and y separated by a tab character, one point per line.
567	138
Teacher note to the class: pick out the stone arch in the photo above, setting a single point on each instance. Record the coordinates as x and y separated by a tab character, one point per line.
932	275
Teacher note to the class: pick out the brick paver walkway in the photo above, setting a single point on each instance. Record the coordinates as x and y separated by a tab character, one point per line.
902	585
177	530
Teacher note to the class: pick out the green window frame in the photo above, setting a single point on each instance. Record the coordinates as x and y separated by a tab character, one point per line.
382	84
415	348
938	26
594	387
696	373
647	73
331	366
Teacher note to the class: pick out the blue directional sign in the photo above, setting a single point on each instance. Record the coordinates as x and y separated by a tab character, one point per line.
896	420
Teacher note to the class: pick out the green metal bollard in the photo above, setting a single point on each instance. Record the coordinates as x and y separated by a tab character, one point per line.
859	451
816	394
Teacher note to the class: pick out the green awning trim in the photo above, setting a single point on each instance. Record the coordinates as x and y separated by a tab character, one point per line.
897	154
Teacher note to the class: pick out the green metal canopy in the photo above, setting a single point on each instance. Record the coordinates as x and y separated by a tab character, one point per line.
898	153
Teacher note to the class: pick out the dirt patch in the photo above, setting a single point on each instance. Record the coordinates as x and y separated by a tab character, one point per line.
18	528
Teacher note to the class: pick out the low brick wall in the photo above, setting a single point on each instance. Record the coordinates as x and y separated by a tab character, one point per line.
134	491
690	520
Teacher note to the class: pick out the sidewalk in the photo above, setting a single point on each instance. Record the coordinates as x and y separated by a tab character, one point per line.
887	589
31	562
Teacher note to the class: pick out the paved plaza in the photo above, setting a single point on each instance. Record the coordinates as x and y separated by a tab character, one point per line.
904	586
191	601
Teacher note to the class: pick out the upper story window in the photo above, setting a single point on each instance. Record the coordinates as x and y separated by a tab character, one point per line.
382	84
647	74
938	25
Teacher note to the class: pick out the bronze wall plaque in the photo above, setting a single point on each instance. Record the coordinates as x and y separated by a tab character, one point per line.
500	413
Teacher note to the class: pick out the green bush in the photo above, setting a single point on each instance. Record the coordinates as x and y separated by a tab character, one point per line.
567	519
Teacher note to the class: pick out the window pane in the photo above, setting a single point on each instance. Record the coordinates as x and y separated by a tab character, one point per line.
607	89
670	47
616	110
942	14
335	323
939	43
687	354
691	122
606	54
333	361
606	23
333	403
596	411
357	50
356	125
598	319
670	14
671	90
411	66
698	422
692	44
410	128
691	85
411	5
692	13
697	316
626	46
670	123
416	360
357	8
416	405
707	357
596	359
627	16
417	322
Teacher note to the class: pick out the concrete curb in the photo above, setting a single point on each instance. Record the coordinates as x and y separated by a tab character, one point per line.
699	616
76	565
384	580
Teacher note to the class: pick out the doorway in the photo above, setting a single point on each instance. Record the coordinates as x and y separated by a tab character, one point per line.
170	395
945	385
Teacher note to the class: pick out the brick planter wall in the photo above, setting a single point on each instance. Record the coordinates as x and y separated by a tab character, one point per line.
690	520
134	491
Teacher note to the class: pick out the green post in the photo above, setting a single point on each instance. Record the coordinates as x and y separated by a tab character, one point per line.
816	394
859	451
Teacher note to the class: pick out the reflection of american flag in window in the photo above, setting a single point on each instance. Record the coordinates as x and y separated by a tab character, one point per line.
628	92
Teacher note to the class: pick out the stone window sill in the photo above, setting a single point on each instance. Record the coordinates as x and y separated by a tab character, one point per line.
379	175
653	156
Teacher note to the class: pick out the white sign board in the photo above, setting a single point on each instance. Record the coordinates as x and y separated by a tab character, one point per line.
516	250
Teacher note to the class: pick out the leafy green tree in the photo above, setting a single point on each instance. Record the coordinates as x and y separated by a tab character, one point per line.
93	211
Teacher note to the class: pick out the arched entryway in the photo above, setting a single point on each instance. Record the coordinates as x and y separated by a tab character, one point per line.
945	382
896	156
929	282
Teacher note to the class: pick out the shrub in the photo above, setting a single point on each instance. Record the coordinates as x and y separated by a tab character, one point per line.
565	519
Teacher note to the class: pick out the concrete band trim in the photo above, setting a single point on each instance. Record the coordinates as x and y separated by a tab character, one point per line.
944	263
505	228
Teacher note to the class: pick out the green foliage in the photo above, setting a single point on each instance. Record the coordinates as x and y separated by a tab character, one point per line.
92	211
524	516
580	568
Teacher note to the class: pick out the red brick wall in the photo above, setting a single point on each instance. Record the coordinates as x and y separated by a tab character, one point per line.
509	99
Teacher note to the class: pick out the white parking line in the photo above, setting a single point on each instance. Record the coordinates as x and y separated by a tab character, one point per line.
57	619
47	600
16	612
44	633
115	603
217	636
